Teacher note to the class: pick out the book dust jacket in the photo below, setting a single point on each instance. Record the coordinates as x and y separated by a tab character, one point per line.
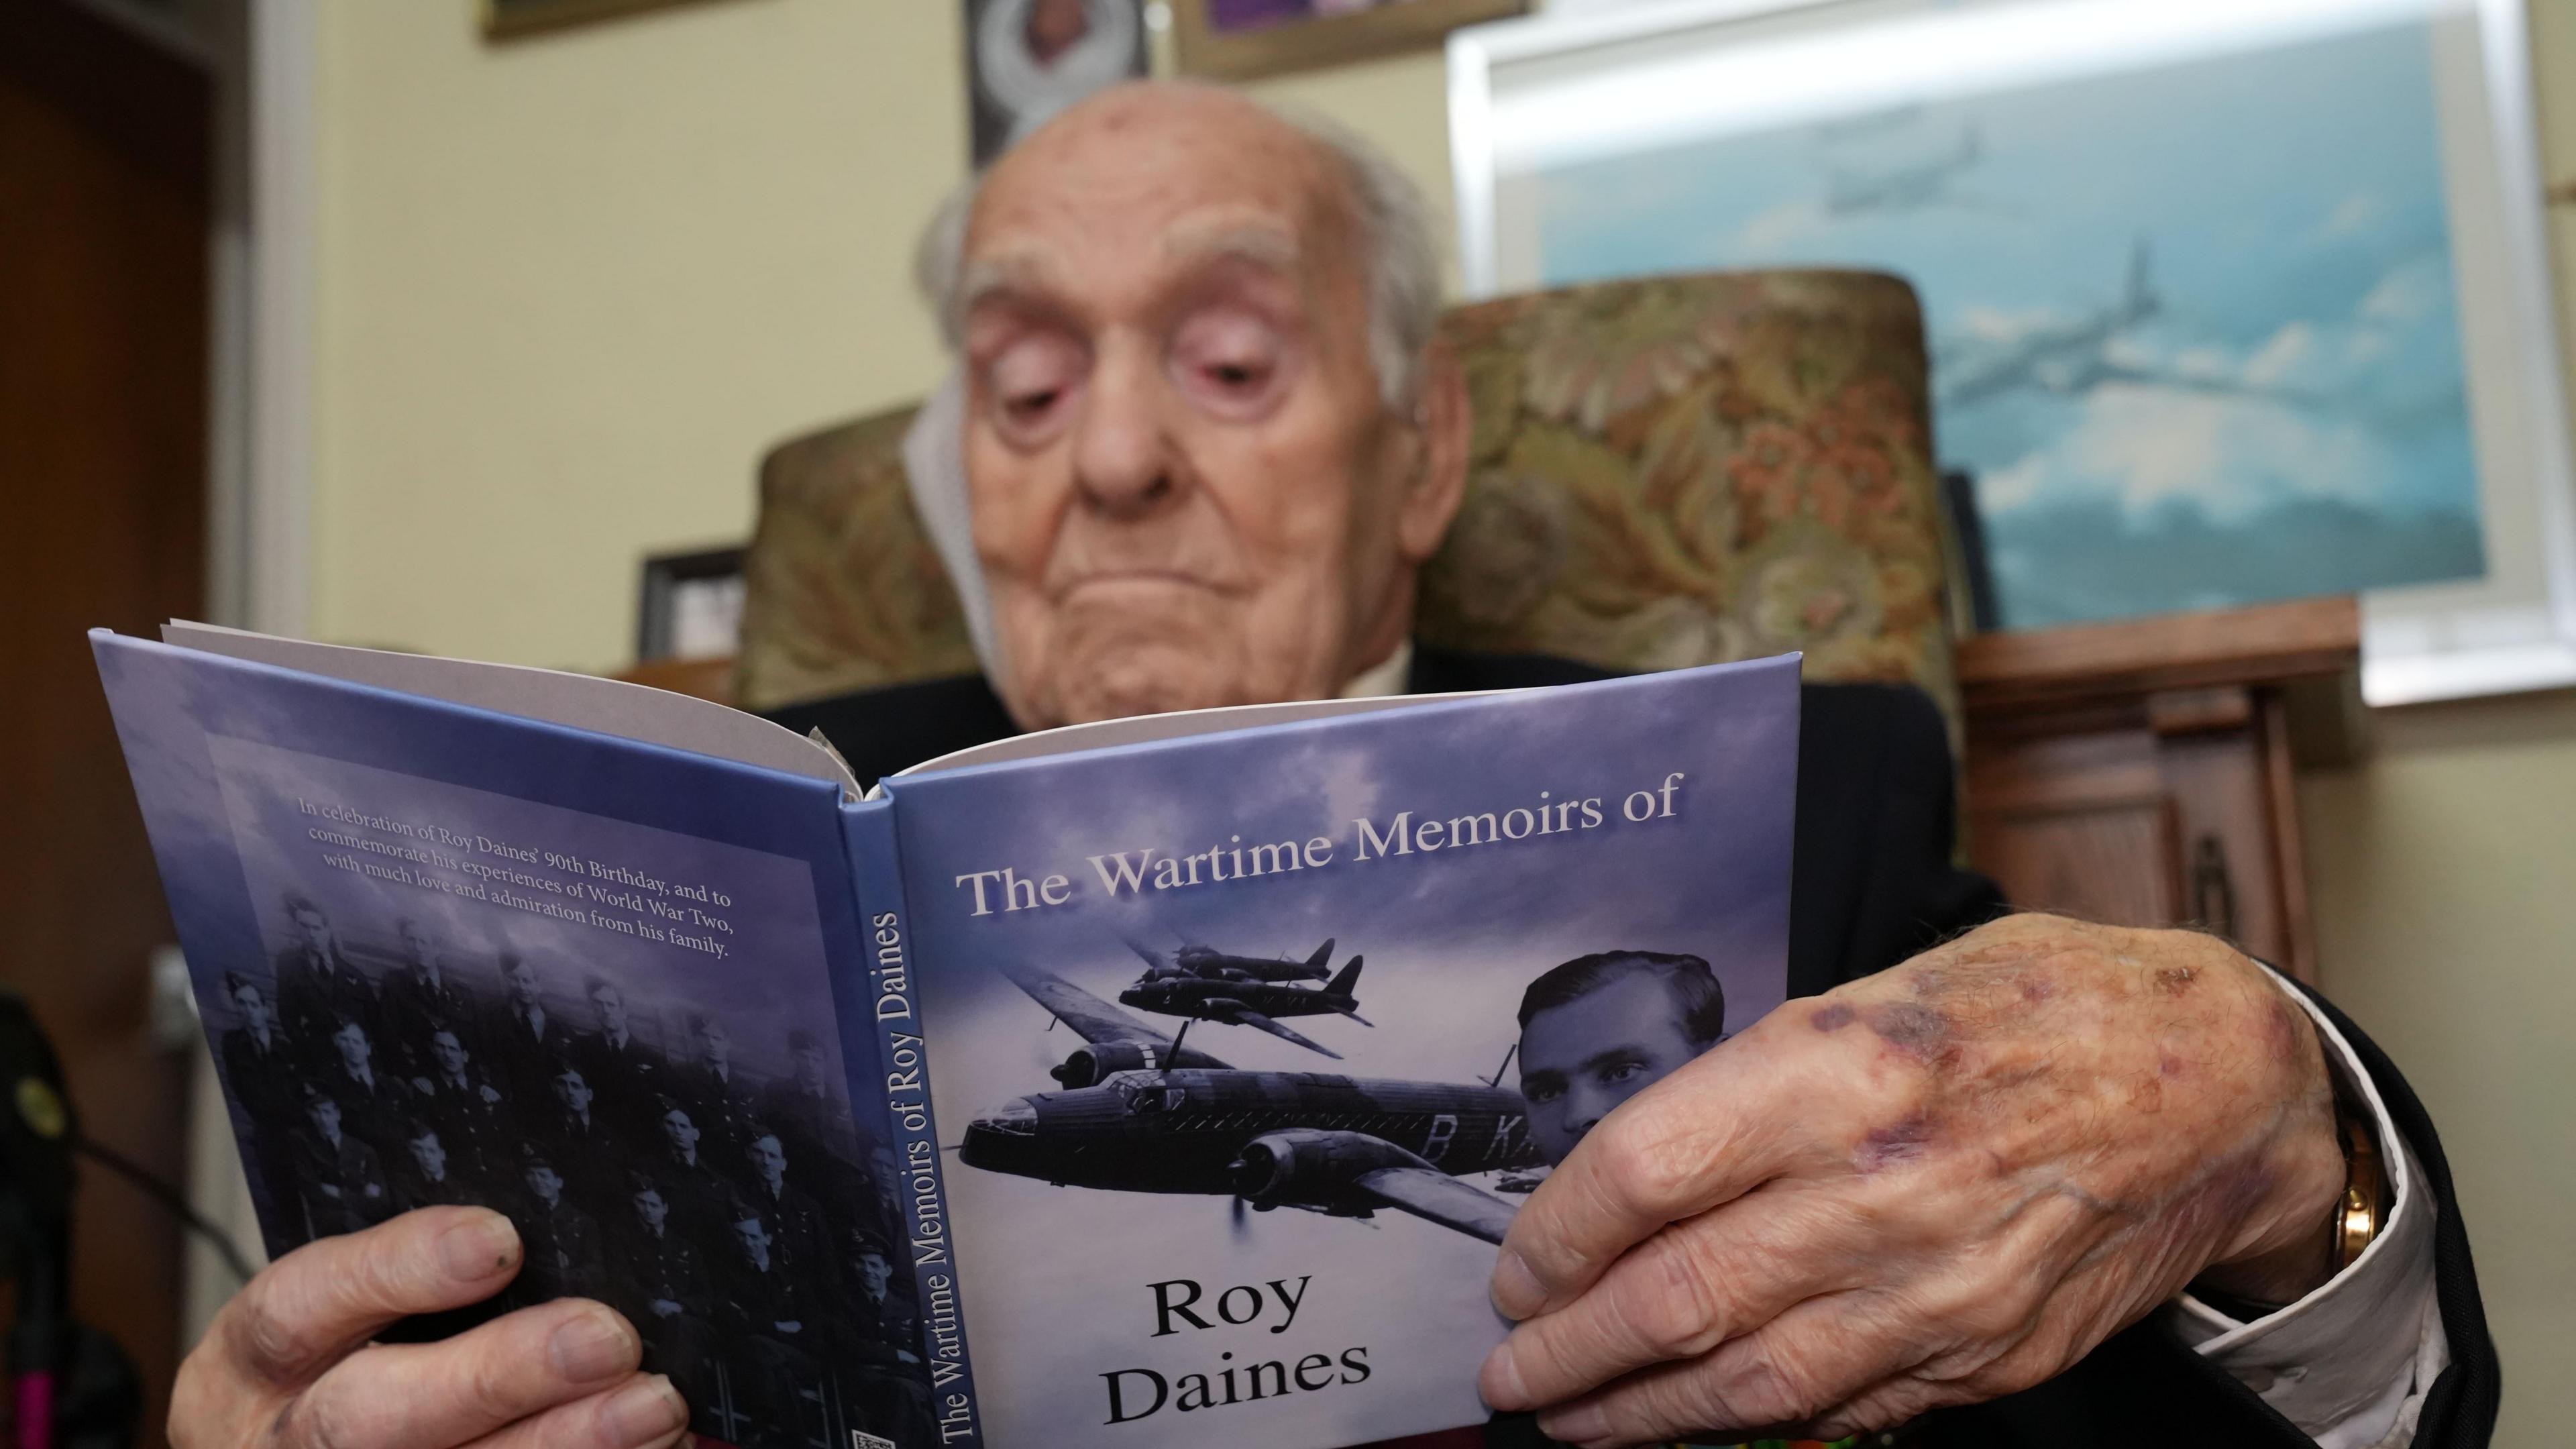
1248	1046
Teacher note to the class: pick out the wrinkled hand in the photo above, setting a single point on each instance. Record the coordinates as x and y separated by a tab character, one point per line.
287	1365
1935	1186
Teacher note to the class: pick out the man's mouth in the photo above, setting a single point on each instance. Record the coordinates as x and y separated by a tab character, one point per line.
1136	579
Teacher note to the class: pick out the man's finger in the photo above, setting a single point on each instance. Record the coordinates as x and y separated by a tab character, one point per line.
434	1395
307	1310
1680	1294
1705	1135
645	1412
1811	1361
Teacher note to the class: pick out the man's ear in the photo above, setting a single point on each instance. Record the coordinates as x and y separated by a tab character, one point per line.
1444	422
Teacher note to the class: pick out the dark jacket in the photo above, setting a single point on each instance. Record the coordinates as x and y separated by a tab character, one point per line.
1872	883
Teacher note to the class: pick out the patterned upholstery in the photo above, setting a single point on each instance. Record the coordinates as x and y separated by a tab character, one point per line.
1672	471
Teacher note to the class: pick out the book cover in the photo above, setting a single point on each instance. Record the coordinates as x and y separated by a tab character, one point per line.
1188	1067
1249	1044
617	991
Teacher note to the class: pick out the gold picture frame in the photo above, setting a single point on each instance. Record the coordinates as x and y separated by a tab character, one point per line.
1386	28
510	19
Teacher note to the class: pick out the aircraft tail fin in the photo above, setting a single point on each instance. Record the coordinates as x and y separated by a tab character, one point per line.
1323	956
1344	980
2140	300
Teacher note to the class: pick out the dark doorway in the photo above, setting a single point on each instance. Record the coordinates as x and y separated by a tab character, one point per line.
103	361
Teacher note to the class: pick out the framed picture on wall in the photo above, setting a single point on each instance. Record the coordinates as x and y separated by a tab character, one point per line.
503	19
690	606
1028	59
2227	300
1238	39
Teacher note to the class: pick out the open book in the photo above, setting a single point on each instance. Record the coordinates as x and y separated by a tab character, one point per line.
1159	1082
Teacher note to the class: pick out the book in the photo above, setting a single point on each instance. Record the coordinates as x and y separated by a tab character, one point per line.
1147	1083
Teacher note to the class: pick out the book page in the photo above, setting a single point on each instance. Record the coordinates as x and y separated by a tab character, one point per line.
1181	724
449	955
577	701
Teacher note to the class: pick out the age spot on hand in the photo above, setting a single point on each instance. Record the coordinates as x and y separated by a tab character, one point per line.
1831	1018
1919	1031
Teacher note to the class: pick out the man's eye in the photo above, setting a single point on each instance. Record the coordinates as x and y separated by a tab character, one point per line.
1230	360
1237	374
1542	1092
1031	379
1623	1072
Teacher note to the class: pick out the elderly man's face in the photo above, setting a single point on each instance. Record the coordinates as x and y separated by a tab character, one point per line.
1186	485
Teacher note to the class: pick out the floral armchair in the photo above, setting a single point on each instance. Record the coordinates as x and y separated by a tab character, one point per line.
1665	472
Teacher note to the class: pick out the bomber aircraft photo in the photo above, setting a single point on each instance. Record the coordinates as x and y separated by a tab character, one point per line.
1142	1112
1206	985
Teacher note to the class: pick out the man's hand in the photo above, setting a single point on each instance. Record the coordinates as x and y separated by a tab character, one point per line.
1939	1185
286	1364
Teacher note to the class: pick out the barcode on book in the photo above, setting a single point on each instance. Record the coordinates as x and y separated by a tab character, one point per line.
862	1439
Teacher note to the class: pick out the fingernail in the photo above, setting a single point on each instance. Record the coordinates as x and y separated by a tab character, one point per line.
1516	1291
1500	1380
644	1412
479	1247
593	1346
1579	1424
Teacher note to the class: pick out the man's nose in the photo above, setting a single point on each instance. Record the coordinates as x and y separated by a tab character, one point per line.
1584	1109
1122	454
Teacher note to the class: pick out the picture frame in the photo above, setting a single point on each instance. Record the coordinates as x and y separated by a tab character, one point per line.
1026	60
511	19
1272	37
1579	94
690	605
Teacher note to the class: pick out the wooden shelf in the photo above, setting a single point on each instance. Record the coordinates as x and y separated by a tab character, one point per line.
2263	644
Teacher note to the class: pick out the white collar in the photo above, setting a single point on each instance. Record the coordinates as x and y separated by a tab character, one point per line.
1388	676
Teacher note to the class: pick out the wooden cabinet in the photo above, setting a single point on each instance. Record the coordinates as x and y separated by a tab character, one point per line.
2142	773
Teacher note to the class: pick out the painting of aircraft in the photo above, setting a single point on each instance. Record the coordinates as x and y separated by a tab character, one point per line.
1912	187
2073	358
1142	1113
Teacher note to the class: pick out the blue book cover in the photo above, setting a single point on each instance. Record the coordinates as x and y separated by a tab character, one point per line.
1185	1070
1250	1043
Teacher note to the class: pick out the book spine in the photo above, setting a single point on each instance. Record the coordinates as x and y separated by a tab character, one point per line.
877	872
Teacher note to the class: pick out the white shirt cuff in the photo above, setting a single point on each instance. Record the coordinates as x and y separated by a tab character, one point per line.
2350	1363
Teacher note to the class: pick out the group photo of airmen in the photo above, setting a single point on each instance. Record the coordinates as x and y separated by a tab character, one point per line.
736	1215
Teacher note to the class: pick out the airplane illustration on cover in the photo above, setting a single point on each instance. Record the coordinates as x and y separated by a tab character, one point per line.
1192	958
1204	984
1143	1112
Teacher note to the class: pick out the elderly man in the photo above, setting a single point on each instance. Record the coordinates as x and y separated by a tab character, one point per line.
2040	1183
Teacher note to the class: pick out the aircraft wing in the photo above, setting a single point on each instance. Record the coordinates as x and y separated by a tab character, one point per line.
2214	386
1435	1196
1246	1016
1095	1020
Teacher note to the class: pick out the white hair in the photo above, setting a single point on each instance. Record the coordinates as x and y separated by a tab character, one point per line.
1395	231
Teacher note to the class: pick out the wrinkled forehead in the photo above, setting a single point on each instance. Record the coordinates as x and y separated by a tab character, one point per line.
1106	213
